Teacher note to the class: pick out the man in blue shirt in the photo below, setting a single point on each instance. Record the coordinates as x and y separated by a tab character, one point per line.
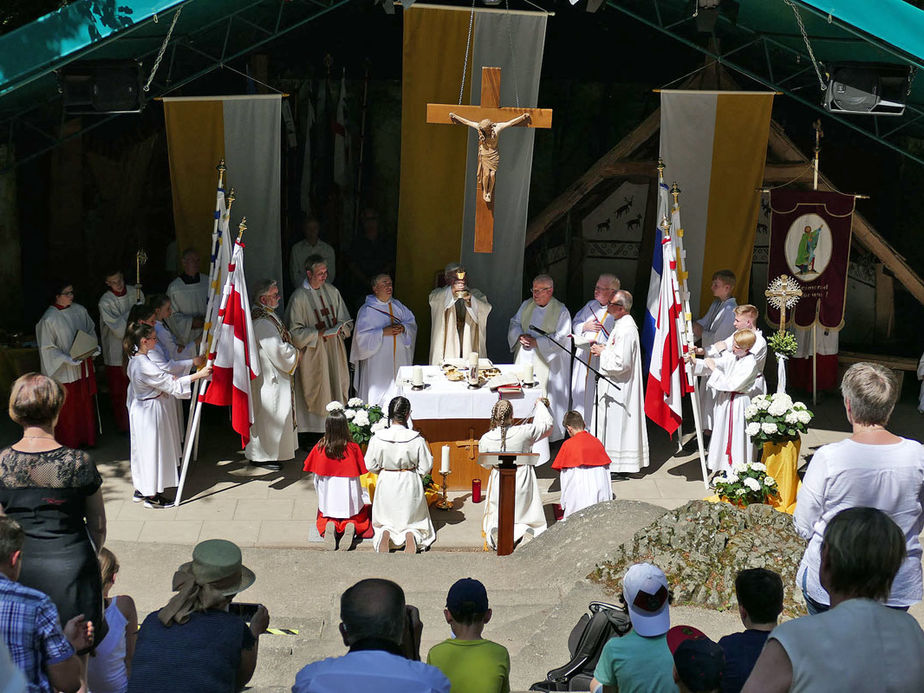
372	614
640	661
30	627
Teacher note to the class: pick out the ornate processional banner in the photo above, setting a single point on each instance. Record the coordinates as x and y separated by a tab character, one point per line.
810	241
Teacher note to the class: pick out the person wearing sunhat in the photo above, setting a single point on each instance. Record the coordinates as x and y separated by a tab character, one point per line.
194	643
698	661
640	660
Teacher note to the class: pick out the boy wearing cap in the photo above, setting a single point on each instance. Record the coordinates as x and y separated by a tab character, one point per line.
698	662
471	663
640	661
760	602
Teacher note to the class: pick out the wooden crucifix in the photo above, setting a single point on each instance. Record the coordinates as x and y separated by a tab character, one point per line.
471	443
489	119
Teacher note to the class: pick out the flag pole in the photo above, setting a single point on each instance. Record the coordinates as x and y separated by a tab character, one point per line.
197	412
685	326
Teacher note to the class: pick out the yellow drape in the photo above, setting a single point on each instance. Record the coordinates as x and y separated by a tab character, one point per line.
432	157
195	145
742	126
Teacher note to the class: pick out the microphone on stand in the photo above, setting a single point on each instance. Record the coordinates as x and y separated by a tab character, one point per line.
539	330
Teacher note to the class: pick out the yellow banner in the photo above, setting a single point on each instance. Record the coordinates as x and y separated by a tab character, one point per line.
432	158
195	145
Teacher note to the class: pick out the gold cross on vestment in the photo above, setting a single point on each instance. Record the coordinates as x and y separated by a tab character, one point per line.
490	109
471	443
783	291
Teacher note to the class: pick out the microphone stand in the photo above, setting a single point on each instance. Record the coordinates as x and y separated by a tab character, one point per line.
597	374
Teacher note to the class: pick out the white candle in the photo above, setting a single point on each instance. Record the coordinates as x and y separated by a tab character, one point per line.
473	360
417	376
528	373
444	463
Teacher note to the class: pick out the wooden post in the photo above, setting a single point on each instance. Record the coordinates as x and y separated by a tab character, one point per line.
506	503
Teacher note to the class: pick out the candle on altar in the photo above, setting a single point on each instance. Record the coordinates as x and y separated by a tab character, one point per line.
473	360
444	463
528	373
417	376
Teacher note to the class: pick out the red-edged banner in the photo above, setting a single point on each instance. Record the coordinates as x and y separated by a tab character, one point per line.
810	241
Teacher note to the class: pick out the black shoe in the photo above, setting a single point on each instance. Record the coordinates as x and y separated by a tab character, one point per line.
619	476
137	498
270	466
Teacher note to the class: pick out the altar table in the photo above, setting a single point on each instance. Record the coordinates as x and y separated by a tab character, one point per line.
448	413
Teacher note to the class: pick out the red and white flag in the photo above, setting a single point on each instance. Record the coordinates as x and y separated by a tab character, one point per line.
234	352
666	379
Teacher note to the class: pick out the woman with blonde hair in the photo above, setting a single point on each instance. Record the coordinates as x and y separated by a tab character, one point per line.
54	492
108	669
871	468
504	436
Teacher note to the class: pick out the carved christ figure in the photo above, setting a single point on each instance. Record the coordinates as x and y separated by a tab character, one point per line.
488	156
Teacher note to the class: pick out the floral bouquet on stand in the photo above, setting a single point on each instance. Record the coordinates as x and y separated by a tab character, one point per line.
775	418
363	419
745	484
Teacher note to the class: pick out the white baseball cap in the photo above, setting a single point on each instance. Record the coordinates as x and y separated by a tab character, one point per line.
645	590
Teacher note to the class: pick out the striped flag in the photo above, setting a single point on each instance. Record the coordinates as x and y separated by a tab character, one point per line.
234	352
218	271
667	382
654	282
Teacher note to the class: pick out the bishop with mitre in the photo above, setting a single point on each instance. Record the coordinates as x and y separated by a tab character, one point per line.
459	316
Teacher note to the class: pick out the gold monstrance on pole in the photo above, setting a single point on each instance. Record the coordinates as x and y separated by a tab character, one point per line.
141	257
782	293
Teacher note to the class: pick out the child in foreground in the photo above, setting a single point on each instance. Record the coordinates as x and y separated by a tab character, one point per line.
471	663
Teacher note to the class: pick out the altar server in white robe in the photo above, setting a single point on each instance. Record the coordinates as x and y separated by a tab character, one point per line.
718	324
189	294
551	363
731	377
584	466
528	516
55	332
272	435
383	341
458	318
155	436
620	422
172	356
114	306
322	375
746	319
401	456
591	325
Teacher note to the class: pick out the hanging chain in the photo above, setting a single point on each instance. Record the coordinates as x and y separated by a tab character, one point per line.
513	55
468	43
160	53
808	45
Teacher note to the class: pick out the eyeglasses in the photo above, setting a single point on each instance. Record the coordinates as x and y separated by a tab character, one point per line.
541	289
66	293
618	303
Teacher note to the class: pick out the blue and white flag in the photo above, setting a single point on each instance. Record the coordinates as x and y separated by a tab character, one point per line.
654	283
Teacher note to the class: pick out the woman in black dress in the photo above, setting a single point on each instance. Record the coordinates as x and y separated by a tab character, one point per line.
54	493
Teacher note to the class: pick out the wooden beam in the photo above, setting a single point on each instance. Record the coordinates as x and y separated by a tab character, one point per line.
583	185
439	113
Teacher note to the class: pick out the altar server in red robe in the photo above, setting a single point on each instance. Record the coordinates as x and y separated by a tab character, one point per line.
584	465
337	463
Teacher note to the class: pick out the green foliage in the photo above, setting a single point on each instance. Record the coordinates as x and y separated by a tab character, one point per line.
783	344
744	484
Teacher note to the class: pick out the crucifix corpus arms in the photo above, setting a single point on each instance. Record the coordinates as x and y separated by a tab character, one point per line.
488	155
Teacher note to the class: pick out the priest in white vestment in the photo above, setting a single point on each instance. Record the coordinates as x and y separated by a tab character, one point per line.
55	332
273	435
383	341
551	363
718	324
114	306
458	318
591	325
310	245
401	456
528	515
620	414
319	324
731	378
189	294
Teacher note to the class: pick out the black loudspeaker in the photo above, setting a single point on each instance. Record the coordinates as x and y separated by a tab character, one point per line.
872	89
101	87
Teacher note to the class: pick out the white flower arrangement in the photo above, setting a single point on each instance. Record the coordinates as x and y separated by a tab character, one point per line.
776	418
744	484
363	419
333	406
